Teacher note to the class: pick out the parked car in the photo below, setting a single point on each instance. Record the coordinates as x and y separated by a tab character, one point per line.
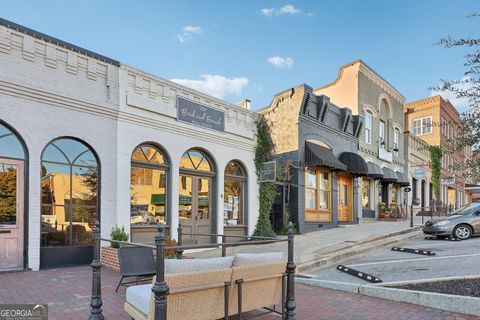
461	223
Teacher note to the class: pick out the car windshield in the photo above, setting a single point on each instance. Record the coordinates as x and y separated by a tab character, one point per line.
470	208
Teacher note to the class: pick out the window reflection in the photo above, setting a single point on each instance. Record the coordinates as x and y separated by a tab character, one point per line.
148	189
8	194
195	160
234	194
10	146
69	191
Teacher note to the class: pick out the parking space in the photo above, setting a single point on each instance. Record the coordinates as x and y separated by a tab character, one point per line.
453	258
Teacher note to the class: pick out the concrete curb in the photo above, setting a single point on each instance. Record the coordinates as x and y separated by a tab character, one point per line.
448	302
453	303
367	245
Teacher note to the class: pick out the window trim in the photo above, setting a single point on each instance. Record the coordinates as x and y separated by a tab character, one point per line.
368	136
318	171
422	126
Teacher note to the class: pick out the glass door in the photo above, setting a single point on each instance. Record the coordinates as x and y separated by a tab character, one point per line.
194	208
11	214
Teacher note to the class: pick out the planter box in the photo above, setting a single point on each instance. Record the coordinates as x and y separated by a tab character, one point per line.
109	257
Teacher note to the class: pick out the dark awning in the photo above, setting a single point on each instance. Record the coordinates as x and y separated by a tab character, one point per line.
389	175
402	179
374	171
355	163
320	156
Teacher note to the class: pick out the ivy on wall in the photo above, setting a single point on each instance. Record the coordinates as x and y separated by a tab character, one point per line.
436	159
265	151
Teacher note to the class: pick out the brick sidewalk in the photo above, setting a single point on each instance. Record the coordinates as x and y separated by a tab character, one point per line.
67	291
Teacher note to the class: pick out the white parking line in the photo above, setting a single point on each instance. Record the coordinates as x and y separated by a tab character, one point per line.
410	260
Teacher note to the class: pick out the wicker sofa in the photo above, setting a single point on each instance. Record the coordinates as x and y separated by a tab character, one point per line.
213	288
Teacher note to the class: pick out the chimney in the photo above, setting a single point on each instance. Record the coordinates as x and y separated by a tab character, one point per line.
245	104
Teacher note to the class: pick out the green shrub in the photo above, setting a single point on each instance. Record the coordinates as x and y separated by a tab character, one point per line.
119	235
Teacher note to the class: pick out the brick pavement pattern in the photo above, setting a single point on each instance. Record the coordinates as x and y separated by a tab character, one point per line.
67	292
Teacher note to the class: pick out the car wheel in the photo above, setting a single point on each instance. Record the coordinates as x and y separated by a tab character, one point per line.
462	232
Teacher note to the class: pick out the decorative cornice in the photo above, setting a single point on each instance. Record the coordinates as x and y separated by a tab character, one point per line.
112	112
379	81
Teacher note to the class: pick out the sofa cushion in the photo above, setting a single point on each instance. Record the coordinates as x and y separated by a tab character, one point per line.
196	265
247	259
139	296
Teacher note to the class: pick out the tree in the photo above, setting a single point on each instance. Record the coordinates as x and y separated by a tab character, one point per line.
468	89
8	195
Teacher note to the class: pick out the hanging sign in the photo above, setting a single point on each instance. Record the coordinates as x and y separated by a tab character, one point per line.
268	171
419	173
200	115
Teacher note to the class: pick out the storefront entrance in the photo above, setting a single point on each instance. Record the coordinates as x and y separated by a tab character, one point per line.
194	208
345	198
11	214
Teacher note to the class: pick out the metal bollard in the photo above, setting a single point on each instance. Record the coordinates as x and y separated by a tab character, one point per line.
224	247
290	303
179	242
160	288
96	298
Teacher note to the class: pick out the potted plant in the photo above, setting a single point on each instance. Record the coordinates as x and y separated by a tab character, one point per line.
110	254
381	209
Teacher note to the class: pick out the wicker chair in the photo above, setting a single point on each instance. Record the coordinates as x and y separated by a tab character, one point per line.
135	262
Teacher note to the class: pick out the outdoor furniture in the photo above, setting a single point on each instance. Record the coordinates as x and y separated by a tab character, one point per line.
215	292
135	262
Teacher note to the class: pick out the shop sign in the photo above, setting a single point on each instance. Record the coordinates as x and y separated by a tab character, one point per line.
448	181
268	171
419	173
200	115
385	155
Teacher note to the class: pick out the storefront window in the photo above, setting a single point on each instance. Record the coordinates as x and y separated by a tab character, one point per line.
366	185
235	179
317	195
148	188
69	189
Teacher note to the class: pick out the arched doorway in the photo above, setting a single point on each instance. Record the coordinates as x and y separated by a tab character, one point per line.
12	197
70	203
234	217
196	190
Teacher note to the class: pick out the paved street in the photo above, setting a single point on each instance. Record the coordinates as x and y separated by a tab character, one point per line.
67	292
453	258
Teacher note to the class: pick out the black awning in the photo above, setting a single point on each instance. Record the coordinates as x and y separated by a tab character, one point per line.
402	179
355	163
317	155
389	175
374	171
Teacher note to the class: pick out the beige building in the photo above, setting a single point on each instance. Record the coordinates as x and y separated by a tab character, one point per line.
436	121
419	171
370	96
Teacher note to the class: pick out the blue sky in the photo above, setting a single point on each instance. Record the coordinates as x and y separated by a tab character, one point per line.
254	49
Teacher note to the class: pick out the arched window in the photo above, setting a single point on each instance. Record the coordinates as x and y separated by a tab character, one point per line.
12	182
10	145
195	195
69	204
148	189
234	194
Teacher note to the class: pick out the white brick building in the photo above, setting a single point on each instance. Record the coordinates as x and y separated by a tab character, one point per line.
54	92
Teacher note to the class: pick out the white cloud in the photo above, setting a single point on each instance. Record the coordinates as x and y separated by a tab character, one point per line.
461	104
215	85
280	62
285	10
188	32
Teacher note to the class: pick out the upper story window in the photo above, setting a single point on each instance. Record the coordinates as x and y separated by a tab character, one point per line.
396	139
381	133
368	127
422	126
444	126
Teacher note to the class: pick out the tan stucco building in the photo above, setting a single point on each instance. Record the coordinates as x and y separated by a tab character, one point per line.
436	121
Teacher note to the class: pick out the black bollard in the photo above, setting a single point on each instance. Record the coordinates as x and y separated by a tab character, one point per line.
179	242
96	299
290	303
160	288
